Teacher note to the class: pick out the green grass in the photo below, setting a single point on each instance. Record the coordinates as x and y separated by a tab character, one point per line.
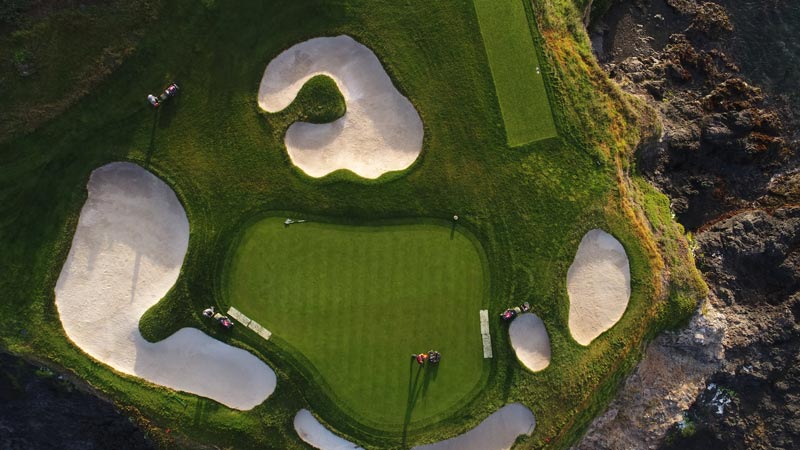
227	162
319	101
59	73
356	301
512	56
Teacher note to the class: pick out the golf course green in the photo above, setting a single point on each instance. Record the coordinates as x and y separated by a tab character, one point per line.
355	302
530	161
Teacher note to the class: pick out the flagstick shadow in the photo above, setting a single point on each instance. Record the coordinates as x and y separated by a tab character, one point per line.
414	390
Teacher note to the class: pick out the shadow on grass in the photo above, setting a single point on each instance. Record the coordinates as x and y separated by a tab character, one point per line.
431	370
416	389
508	383
167	111
152	147
200	411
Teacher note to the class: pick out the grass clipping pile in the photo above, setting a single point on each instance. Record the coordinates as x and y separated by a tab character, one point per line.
380	132
127	252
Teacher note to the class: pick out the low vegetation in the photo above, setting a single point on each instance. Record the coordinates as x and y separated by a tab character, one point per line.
44	70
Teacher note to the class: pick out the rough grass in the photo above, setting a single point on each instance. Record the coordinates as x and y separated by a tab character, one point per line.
518	78
356	301
227	162
319	101
42	72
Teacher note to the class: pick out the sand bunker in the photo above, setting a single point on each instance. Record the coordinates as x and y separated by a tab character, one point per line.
530	341
126	254
496	432
380	132
599	286
316	435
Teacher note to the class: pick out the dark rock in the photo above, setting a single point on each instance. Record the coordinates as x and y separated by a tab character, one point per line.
753	254
733	94
710	20
722	143
729	160
716	133
743	121
40	409
655	89
784	188
762	382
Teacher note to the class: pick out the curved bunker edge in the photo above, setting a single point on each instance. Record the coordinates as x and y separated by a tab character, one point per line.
380	131
126	254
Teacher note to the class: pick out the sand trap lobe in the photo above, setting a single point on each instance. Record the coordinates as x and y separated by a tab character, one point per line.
316	435
380	132
530	341
598	284
127	251
496	432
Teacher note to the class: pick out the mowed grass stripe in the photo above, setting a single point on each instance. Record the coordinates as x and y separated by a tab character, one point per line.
356	301
513	61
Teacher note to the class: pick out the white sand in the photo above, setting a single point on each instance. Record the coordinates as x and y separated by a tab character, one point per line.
530	341
599	286
496	432
316	435
380	132
126	254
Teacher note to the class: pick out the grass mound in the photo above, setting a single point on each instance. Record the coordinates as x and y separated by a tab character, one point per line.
319	101
354	302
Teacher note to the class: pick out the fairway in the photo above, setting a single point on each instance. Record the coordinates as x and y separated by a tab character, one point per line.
355	301
516	71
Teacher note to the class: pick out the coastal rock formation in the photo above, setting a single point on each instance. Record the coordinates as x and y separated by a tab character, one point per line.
41	409
751	261
728	158
723	139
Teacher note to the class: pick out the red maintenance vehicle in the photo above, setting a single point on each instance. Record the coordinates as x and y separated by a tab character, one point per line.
223	321
169	92
432	357
509	314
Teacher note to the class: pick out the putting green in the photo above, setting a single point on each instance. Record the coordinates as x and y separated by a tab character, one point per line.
352	303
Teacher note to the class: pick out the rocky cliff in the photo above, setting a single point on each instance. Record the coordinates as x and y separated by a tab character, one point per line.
41	409
728	158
